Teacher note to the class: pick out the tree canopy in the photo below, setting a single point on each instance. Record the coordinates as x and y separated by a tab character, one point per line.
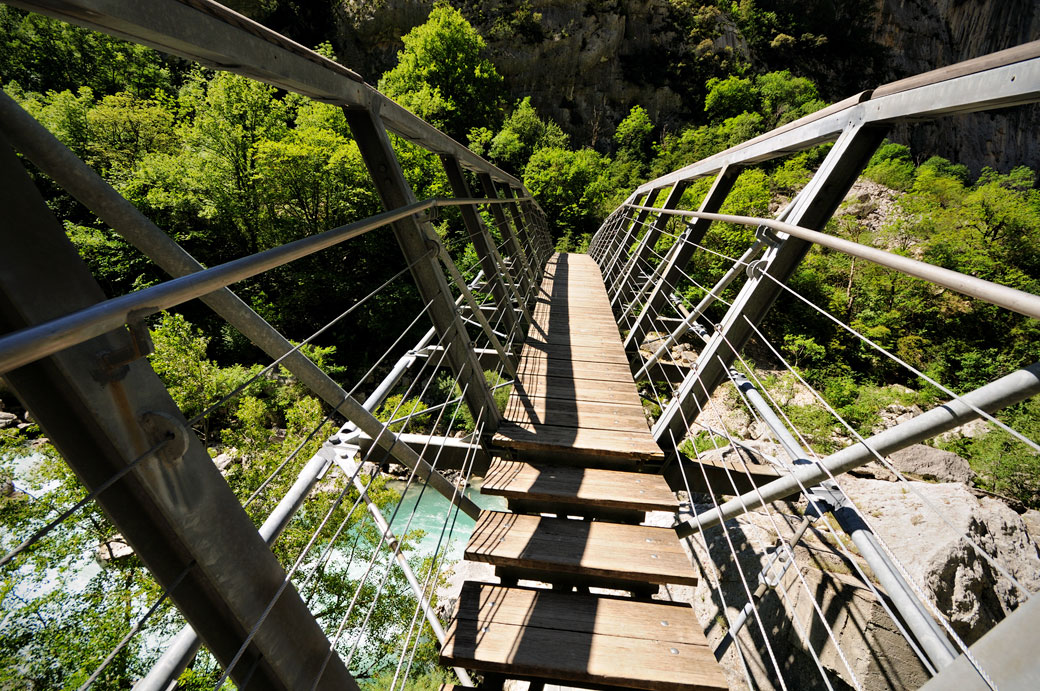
443	75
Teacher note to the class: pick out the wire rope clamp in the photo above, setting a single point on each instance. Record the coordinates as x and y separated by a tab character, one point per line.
757	269
167	433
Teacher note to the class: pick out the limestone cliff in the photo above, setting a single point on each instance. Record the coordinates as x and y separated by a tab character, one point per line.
587	62
922	35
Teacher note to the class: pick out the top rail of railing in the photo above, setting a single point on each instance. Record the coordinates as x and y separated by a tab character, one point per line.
999	80
210	34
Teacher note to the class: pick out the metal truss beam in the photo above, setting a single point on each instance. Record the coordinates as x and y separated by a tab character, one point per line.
104	408
421	250
814	208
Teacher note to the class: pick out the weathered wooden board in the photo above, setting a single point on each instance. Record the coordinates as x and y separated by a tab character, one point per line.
581	638
605	488
639	553
622	445
567	413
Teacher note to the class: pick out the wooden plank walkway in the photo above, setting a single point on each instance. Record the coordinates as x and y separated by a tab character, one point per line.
573	442
574	396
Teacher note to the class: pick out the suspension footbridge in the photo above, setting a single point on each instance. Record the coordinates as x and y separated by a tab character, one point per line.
610	509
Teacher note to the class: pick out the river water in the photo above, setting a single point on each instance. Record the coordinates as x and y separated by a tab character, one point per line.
430	517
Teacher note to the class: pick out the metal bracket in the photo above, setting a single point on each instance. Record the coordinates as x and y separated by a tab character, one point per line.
114	363
768	236
163	427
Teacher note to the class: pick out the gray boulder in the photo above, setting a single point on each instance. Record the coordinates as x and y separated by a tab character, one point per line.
929	463
938	553
920	462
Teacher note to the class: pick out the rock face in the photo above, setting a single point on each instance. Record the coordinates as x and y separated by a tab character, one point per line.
586	63
932	464
923	35
938	555
924	463
583	64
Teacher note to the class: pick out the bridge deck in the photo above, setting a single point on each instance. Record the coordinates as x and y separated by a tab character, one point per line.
574	437
574	394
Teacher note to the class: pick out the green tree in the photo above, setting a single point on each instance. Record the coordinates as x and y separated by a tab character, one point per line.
730	97
522	134
634	136
443	77
43	54
571	189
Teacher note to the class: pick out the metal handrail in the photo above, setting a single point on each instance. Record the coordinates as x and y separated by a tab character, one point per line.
993	293
998	80
36	342
207	33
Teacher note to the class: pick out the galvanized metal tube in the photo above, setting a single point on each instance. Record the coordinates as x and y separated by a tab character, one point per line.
791	446
928	634
350	468
933	641
1017	386
697	311
34	343
1002	296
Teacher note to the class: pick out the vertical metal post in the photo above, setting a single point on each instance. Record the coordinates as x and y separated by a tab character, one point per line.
621	291
522	266
103	407
531	248
535	229
825	191
502	286
626	229
394	190
668	273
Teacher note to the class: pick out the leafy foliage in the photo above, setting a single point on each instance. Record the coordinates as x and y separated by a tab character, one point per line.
443	77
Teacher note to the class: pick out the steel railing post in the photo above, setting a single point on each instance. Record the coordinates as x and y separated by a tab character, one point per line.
522	267
816	205
502	286
621	290
394	190
668	273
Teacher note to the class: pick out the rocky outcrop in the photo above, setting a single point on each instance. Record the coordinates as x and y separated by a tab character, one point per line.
921	462
861	644
937	552
923	35
586	64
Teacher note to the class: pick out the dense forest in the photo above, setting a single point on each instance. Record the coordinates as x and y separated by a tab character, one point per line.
229	167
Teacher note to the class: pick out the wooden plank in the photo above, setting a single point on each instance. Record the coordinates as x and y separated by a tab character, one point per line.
487	603
639	553
568	656
598	442
605	488
560	323
588	338
563	413
578	390
530	368
575	352
605	352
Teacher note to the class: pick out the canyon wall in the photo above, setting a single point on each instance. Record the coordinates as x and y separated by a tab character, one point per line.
585	63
